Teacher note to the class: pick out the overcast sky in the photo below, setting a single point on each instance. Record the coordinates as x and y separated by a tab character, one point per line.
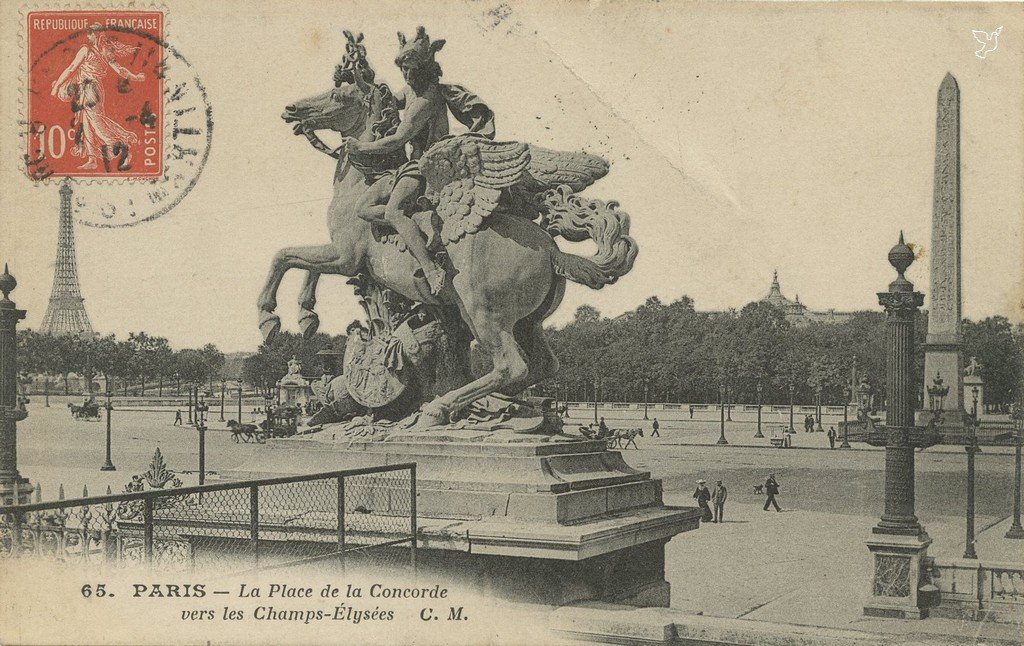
743	138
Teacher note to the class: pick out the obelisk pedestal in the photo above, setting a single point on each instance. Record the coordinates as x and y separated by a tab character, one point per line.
943	353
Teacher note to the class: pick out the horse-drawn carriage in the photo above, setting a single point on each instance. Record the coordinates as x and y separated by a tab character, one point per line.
615	438
283	422
88	411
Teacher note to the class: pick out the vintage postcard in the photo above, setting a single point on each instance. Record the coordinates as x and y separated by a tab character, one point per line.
511	322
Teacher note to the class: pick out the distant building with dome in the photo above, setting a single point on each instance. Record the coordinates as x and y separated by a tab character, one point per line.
796	312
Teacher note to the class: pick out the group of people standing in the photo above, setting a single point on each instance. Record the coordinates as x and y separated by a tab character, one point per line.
716	498
708	499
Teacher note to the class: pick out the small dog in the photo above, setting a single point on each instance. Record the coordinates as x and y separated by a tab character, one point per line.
759	488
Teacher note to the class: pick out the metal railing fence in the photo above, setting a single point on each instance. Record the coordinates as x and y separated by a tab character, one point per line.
270	522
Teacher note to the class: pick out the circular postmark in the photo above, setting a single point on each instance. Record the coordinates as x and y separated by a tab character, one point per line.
136	128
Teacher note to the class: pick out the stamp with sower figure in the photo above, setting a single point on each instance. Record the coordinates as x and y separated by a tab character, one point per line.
110	101
95	94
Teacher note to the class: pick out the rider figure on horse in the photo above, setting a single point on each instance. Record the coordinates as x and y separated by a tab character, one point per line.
426	104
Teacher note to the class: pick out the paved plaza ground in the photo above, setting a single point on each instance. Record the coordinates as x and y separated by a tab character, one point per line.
806	565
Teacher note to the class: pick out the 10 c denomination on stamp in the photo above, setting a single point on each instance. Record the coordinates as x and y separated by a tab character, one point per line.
95	94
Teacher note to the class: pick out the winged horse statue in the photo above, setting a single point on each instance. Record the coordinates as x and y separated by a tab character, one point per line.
494	206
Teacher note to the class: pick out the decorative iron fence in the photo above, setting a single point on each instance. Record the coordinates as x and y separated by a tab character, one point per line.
356	515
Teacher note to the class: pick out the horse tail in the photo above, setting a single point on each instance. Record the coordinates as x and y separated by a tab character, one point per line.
578	218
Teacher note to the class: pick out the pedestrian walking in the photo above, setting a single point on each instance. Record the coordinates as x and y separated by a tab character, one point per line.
832	437
177	417
654	427
771	487
602	427
691	411
702	496
718	497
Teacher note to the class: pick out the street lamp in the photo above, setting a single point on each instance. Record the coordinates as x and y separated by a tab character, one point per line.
791	389
201	409
46	386
223	388
108	465
1017	415
971	448
190	420
269	397
817	399
728	405
647	383
721	400
760	388
597	385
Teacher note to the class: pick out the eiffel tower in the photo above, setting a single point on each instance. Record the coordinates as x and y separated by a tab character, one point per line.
65	315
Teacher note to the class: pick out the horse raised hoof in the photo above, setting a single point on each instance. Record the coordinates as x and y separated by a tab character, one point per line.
434	413
270	325
309	322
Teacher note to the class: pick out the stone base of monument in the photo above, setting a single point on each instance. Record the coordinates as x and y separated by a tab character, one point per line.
529	518
16	492
899	588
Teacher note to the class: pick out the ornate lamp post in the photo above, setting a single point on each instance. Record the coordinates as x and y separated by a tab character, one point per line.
1017	415
972	449
201	409
223	388
647	383
846	406
269	397
13	487
791	389
760	389
108	465
721	400
898	543
728	403
190	420
817	401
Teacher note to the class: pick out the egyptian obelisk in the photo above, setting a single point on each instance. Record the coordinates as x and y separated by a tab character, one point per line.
943	354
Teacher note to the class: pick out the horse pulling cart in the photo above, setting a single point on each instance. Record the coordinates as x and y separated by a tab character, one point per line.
617	438
89	411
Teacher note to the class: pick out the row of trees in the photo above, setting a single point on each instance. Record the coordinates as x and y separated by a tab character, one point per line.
138	362
685	355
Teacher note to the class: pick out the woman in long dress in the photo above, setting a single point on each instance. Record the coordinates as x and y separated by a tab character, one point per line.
96	135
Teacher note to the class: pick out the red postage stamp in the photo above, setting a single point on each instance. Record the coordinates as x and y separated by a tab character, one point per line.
95	94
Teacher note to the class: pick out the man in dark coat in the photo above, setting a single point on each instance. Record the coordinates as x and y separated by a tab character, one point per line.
832	437
654	426
771	487
702	496
718	497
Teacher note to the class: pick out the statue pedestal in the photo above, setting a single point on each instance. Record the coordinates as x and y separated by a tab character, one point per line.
15	492
536	521
898	575
970	383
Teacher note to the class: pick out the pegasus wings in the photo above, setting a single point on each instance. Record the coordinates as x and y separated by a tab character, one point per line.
465	175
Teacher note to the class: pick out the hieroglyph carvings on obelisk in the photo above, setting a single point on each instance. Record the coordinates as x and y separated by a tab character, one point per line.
943	354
